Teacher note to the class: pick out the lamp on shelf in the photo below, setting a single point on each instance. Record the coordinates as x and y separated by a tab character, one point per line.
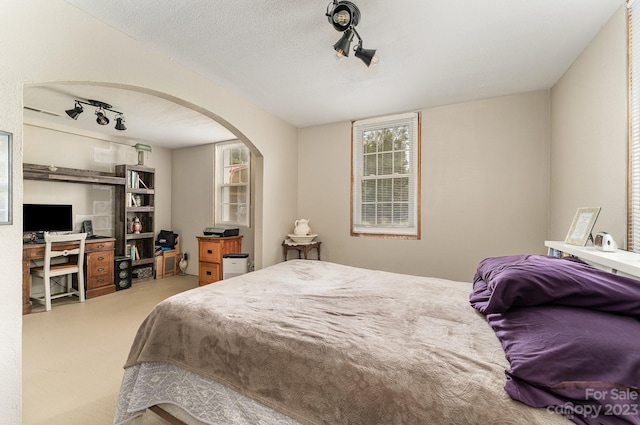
344	16
101	109
141	149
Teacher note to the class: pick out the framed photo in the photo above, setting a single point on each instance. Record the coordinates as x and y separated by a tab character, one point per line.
582	225
6	207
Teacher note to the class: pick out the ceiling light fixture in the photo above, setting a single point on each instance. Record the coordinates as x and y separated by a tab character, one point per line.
344	16
101	108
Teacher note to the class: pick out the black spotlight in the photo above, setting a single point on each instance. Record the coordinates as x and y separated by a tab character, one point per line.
368	56
102	118
343	45
73	113
344	15
119	125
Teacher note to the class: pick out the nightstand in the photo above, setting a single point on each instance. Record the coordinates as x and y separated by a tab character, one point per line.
302	248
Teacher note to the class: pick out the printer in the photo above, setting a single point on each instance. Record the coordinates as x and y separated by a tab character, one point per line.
221	231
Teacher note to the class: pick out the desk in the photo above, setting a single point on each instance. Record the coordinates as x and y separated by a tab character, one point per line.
303	248
98	267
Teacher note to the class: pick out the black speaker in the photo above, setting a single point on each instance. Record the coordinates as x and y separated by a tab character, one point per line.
123	271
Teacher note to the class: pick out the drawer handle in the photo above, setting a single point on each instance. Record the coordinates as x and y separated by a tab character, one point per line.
100	280
100	258
209	251
100	269
208	273
101	246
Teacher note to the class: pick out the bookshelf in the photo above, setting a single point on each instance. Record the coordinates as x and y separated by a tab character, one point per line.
135	205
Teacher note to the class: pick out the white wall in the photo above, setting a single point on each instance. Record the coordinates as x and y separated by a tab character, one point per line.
589	135
39	43
96	202
485	168
193	204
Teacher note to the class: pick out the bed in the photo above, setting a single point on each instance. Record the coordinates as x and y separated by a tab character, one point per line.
313	342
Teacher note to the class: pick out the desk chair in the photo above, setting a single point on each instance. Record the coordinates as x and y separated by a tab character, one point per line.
74	265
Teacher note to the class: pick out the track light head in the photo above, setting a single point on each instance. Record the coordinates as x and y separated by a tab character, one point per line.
73	113
102	118
344	15
368	56
343	45
119	123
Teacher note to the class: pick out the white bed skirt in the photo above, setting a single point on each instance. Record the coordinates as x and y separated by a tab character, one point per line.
205	400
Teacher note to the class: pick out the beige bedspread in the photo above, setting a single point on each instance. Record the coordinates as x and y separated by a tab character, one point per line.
331	344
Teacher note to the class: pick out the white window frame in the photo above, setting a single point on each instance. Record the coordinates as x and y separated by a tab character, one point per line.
410	229
220	186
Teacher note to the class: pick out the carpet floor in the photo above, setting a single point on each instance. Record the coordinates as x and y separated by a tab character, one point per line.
72	355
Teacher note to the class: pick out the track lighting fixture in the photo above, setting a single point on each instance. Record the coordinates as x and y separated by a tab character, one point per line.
101	108
344	16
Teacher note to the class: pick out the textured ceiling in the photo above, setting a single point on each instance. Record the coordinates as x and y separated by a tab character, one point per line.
279	55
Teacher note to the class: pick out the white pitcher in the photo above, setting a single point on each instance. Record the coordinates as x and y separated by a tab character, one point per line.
301	227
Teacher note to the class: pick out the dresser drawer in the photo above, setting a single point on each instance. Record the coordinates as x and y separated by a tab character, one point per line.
208	273
105	245
100	263
210	252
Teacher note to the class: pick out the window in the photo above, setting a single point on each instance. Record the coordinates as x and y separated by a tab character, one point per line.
386	176
232	184
633	199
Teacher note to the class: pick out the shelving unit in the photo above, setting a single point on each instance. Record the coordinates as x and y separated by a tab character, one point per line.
619	261
69	175
136	199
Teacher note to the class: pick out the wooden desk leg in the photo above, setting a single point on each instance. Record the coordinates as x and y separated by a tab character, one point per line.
318	249
26	287
285	251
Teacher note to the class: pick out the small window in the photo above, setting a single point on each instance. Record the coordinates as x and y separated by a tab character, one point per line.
386	176
232	184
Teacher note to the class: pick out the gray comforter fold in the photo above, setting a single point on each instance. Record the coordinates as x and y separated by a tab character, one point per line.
328	344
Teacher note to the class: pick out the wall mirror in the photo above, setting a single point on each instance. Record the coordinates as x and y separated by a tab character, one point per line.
6	210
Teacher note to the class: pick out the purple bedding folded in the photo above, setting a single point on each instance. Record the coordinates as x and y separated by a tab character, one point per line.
570	332
582	363
502	283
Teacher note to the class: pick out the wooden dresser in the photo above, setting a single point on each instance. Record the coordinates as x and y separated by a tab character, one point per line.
210	252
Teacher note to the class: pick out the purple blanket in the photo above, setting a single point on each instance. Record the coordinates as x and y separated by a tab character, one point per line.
570	332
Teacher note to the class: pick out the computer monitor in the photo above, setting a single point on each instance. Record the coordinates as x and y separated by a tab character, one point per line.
37	218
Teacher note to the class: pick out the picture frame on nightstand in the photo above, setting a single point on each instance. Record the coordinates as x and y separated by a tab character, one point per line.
582	225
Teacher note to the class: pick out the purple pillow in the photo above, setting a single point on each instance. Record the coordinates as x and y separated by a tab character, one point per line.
502	283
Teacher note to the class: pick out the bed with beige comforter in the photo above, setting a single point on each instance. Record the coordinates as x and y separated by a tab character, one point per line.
314	342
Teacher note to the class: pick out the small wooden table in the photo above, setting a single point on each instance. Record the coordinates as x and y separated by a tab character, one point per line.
303	248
